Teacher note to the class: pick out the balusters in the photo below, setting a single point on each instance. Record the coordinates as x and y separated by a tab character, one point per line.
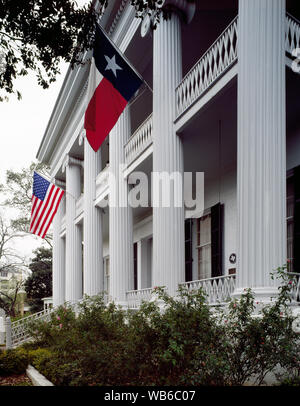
208	69
139	141
292	38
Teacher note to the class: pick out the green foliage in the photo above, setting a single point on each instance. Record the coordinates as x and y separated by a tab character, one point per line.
291	381
37	35
13	361
16	361
39	284
185	343
38	357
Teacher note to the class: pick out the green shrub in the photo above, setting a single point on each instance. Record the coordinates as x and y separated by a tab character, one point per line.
13	361
290	381
38	357
188	343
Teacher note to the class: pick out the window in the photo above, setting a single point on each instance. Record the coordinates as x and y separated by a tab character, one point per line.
204	246
4	274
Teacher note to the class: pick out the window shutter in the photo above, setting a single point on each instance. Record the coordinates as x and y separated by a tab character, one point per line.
296	247
217	240
188	228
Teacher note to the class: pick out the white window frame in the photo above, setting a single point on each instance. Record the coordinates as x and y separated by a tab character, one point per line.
200	246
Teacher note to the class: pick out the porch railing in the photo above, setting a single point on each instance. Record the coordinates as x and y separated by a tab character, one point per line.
216	60
292	34
135	297
222	54
139	141
19	329
102	180
218	289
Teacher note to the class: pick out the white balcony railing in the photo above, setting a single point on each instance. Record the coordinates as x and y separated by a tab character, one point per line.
222	54
292	34
218	289
216	60
102	181
135	297
139	141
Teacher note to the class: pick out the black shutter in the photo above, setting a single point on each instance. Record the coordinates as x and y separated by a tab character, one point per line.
135	266
217	240
188	228
296	247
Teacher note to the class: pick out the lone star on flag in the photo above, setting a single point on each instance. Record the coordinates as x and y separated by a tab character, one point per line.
112	65
111	86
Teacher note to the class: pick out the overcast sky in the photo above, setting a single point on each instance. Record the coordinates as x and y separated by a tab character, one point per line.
22	128
23	124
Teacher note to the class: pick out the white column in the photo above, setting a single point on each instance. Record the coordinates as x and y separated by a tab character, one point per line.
261	166
73	232
92	227
168	222
120	218
58	272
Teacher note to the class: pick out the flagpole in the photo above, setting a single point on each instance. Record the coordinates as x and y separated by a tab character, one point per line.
136	97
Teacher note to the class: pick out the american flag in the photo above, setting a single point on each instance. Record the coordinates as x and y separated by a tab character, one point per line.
45	201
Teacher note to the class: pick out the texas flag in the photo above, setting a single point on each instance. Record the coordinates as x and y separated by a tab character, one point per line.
112	83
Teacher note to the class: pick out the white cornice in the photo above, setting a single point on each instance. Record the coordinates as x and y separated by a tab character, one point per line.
66	121
67	102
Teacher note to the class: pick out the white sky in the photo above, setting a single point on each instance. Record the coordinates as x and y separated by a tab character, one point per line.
23	124
22	127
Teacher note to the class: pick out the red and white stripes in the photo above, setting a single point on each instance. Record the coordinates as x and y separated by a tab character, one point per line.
43	211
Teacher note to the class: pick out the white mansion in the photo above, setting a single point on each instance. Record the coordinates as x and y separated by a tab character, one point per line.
223	100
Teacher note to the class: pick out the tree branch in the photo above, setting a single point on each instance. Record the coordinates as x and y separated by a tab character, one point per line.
10	37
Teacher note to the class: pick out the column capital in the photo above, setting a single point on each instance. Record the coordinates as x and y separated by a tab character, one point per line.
69	160
185	8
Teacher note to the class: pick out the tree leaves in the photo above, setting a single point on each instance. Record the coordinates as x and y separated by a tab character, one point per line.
37	34
39	284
